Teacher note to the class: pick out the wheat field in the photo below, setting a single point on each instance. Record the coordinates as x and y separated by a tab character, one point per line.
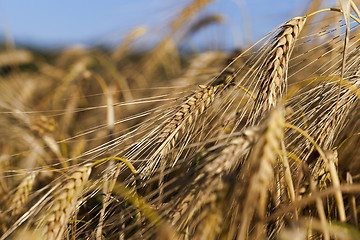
256	143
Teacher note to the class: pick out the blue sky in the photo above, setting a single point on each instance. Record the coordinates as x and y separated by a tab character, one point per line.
57	23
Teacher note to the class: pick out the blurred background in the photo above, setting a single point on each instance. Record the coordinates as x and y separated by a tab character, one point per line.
230	24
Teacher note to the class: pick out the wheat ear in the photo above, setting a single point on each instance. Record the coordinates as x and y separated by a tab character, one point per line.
21	195
191	9
208	184
273	81
261	163
190	110
64	203
187	113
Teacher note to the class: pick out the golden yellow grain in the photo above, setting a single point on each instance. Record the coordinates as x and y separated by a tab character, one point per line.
64	203
273	81
20	197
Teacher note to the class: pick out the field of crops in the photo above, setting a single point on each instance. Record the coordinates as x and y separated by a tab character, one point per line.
256	143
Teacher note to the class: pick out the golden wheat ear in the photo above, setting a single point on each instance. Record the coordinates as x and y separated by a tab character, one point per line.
259	169
64	204
187	114
202	196
21	195
273	82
